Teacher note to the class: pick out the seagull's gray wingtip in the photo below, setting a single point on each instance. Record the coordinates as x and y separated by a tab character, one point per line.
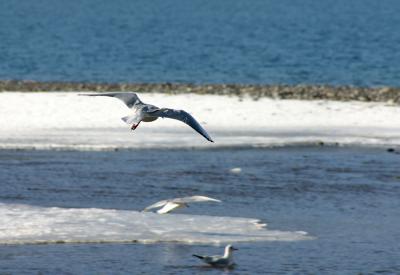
207	137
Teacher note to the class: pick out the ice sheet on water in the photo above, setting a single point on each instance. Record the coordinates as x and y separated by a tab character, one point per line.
22	224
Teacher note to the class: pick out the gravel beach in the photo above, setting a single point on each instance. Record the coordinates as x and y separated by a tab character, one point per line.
390	95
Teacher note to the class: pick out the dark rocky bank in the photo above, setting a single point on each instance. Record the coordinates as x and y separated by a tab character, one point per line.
305	92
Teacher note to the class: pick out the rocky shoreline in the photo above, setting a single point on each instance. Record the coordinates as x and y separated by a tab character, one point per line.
389	95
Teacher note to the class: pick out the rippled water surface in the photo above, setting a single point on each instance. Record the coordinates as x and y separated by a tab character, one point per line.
346	198
278	42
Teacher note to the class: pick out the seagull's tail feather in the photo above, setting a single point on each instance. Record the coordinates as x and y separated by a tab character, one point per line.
198	256
130	119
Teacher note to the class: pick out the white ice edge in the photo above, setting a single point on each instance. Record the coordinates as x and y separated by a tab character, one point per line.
68	121
25	224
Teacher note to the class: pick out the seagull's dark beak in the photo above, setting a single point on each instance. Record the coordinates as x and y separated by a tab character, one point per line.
234	248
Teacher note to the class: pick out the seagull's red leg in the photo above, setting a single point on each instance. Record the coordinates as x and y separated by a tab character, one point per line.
134	126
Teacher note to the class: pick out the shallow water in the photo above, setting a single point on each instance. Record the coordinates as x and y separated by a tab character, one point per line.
278	42
345	197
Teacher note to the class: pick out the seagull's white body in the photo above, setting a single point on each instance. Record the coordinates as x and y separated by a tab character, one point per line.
171	204
219	261
147	112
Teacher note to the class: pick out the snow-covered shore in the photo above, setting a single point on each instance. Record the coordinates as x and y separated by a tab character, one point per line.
58	120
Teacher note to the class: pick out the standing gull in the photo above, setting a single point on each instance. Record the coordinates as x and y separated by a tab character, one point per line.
171	204
219	261
147	112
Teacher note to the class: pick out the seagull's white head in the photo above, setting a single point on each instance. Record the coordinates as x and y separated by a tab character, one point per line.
229	250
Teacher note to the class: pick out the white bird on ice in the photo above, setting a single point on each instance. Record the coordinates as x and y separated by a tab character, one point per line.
147	112
219	261
171	204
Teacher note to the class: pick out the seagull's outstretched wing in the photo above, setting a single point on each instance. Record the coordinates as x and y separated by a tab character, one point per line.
155	205
130	99
184	117
194	199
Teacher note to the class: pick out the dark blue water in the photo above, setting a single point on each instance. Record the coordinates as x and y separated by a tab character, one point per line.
259	41
347	198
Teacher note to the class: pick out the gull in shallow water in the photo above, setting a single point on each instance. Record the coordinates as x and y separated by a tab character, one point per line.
147	112
219	261
171	204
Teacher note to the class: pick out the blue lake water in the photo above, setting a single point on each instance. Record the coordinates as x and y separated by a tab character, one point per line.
347	198
260	41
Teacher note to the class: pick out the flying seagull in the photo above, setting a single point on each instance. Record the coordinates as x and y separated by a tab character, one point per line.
171	204
147	112
220	261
